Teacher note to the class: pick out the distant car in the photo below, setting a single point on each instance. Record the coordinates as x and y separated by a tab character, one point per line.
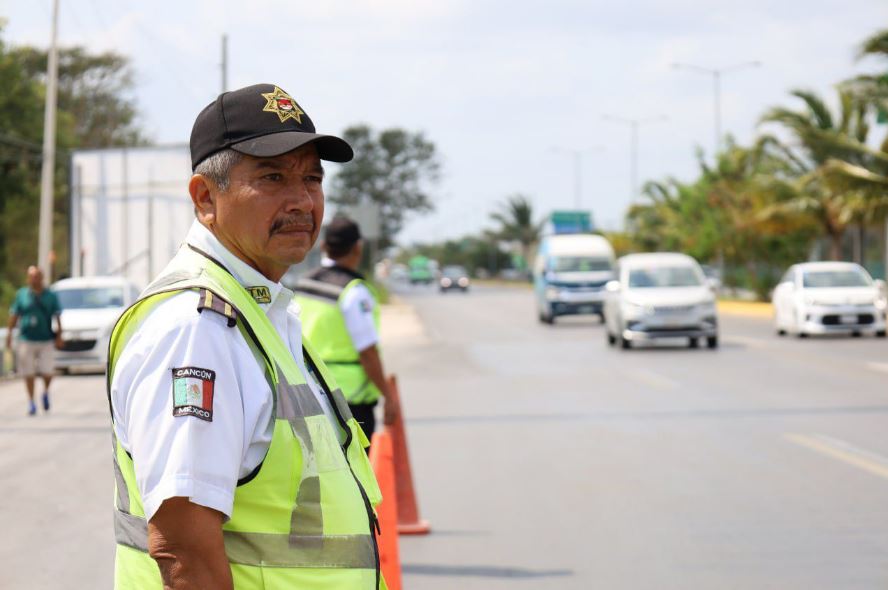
453	277
829	297
90	307
662	295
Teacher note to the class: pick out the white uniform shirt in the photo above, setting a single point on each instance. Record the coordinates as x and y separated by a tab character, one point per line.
189	455
357	311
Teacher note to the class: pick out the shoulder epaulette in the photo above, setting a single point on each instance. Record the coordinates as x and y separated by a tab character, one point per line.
211	301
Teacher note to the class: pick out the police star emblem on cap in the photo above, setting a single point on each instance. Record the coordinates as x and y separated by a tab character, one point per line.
283	105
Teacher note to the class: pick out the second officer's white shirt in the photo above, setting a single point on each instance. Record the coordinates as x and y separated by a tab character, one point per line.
186	455
357	312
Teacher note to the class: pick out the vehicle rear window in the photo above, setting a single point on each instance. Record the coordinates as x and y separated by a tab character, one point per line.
666	276
90	298
823	279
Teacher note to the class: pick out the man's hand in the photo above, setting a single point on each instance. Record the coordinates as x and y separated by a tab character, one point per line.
58	341
9	341
391	411
185	540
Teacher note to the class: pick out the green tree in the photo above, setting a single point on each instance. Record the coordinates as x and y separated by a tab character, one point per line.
514	218
94	110
821	138
393	169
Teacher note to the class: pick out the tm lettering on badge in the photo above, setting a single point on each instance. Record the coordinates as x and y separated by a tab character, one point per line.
193	392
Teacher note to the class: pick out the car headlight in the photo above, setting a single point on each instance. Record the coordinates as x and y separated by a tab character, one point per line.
552	293
445	282
463	282
707	307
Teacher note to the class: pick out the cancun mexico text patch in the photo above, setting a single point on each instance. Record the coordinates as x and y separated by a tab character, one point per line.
193	392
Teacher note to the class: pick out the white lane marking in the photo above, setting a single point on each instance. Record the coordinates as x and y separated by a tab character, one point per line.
652	379
843	451
881	367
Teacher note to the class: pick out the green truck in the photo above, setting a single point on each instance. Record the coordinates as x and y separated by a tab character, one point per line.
421	271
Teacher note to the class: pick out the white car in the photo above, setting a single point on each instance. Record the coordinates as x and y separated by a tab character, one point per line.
829	297
90	307
661	295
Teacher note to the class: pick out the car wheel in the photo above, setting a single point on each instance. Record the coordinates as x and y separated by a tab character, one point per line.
625	344
856	334
601	317
881	334
802	334
693	343
712	342
781	332
611	339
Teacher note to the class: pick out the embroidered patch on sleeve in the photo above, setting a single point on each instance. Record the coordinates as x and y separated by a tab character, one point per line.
366	306
193	392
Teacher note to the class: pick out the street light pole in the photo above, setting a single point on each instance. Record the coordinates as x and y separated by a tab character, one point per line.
44	233
716	74
578	169
633	124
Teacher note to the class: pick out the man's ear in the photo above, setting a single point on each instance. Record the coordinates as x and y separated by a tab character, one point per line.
203	198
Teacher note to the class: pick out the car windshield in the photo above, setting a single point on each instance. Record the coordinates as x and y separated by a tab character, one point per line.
580	264
664	276
822	279
454	271
90	298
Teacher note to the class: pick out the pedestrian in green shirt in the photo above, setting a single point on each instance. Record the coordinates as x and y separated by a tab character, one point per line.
32	311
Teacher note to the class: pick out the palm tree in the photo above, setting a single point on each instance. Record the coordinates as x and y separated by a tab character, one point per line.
821	139
515	219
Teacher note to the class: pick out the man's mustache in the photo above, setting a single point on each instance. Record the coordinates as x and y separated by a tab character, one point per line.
292	222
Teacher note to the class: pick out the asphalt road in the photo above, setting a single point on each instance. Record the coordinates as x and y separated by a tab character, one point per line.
545	459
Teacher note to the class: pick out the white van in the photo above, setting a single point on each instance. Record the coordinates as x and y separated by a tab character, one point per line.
569	275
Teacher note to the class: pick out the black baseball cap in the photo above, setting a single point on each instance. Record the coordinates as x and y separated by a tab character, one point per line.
260	120
342	231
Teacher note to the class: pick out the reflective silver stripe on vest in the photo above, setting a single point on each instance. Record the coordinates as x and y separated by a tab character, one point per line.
268	549
123	499
295	403
131	530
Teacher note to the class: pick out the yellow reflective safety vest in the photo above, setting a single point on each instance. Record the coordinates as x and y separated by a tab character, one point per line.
305	518
319	294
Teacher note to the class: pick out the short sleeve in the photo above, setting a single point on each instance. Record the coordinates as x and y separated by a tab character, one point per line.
357	310
16	307
178	408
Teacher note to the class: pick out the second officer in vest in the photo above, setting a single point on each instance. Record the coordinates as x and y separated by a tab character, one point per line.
237	462
340	317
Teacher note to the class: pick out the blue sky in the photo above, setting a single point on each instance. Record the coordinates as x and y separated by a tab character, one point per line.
495	84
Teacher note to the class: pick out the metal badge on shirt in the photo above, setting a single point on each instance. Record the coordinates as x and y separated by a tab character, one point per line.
193	392
260	294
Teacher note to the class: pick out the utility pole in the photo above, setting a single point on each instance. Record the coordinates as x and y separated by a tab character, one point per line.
224	64
633	145
44	242
716	74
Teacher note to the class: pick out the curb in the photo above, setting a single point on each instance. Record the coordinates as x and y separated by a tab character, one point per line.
746	308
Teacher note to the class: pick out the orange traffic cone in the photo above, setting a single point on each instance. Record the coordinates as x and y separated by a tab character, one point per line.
409	522
383	466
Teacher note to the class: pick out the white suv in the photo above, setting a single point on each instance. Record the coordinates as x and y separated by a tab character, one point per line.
662	295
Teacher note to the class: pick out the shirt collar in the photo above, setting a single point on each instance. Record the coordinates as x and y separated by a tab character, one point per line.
200	237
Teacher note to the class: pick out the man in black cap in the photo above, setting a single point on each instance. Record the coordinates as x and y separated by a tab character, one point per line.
340	317
237	461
